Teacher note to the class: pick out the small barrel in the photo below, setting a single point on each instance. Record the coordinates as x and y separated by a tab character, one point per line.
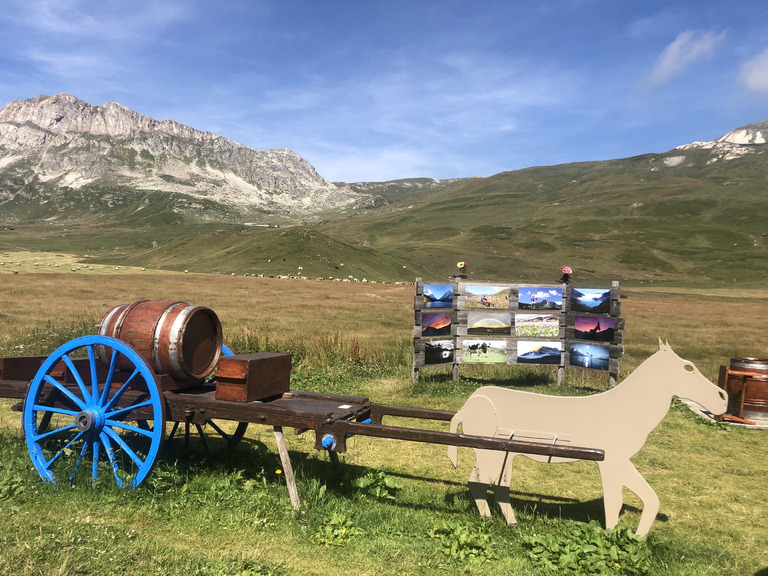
180	340
747	387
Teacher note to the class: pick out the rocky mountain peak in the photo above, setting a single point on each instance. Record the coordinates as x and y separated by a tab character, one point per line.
67	143
735	143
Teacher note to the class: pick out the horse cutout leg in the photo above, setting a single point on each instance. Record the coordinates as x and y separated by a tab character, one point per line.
616	475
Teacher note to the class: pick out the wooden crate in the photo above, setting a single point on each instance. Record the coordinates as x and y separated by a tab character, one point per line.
248	377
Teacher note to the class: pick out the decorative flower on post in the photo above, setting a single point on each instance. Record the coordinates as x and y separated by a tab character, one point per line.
462	266
566	277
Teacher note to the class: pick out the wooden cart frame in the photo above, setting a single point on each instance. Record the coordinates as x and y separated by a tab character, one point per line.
82	417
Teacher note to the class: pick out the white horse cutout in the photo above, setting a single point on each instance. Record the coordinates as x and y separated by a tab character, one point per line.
617	421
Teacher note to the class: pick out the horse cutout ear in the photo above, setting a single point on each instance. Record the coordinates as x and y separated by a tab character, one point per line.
661	344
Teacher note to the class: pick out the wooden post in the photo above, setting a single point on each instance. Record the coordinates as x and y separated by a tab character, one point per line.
560	375
287	467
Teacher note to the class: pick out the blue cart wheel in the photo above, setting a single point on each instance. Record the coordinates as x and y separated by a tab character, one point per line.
85	421
215	436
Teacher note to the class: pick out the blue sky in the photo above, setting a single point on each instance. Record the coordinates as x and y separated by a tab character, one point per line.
377	90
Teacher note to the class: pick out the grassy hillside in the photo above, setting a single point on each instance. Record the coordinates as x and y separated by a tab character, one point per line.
638	218
676	218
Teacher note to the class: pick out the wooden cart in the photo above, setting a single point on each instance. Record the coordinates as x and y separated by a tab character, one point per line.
96	409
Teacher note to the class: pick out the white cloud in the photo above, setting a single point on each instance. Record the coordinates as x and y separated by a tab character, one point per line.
754	73
687	48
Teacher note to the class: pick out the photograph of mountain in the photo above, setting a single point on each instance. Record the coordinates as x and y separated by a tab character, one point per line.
487	297
530	298
594	328
537	325
489	323
436	324
593	300
589	356
484	351
438	351
532	352
438	296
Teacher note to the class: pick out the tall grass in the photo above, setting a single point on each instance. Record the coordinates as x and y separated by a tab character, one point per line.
229	513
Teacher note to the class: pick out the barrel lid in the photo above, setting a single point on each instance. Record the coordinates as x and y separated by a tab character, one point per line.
746	362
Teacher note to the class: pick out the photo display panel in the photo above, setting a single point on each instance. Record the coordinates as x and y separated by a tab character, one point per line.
523	323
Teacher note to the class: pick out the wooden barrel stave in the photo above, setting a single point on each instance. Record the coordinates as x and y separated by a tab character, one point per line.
746	382
175	338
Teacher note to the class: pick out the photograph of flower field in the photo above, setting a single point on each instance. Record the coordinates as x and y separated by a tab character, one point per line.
537	325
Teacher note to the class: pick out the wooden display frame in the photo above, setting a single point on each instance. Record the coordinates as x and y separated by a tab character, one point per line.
484	323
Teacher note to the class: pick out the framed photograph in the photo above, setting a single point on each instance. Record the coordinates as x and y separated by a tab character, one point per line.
493	297
589	356
539	352
594	328
591	300
484	351
537	325
436	324
438	351
438	296
530	298
489	323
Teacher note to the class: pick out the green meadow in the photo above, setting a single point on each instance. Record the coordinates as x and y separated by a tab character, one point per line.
391	507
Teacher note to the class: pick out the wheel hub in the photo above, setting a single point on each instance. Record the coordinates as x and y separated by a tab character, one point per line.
88	420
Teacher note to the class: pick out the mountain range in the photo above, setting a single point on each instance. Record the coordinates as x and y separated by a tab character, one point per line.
156	193
56	148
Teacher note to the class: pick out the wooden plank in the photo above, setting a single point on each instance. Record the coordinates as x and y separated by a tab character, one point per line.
378	411
13	388
450	439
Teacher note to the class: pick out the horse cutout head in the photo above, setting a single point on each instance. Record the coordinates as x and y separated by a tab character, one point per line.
617	421
685	380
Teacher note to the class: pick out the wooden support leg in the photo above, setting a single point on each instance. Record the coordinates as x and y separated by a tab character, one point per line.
287	467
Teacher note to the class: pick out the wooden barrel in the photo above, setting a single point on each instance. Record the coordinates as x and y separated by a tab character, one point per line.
747	387
175	338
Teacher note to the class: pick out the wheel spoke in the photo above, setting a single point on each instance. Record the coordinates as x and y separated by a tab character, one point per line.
203	437
63	450
127	449
128	409
110	377
173	431
95	463
38	437
120	392
221	432
111	457
129	428
80	456
80	384
64	390
54	410
94	378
